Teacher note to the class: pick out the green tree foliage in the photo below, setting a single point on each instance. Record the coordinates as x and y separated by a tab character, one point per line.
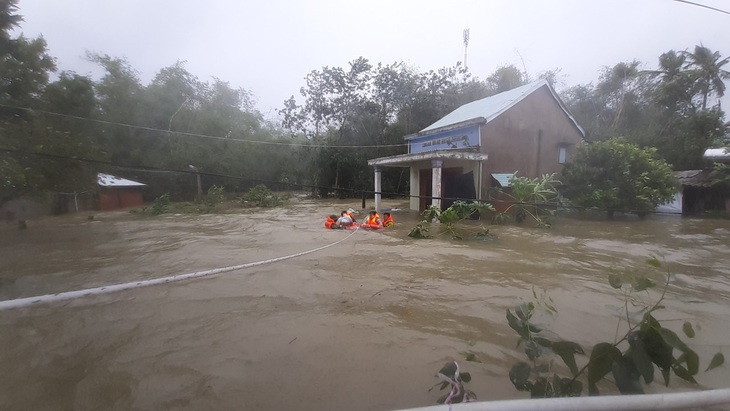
39	156
706	68
530	197
374	106
646	346
664	108
619	177
450	218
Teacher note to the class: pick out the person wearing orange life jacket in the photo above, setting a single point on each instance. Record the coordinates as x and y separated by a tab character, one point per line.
349	214
331	222
388	220
373	219
345	220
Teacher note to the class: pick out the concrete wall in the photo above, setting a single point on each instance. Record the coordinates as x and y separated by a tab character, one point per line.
527	137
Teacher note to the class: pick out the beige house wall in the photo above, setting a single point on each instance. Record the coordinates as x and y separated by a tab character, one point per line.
527	138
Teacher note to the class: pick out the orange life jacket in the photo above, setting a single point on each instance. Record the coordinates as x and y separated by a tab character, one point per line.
389	221
373	220
329	223
352	217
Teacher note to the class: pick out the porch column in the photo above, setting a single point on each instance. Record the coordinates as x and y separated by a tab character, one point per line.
377	189
436	182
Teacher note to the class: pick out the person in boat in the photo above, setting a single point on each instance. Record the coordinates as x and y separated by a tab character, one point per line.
388	220
345	220
373	220
351	215
331	222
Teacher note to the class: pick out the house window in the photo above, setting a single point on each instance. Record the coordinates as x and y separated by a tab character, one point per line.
562	153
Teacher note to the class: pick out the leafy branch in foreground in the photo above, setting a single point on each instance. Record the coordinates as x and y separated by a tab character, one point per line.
450	376
633	357
645	347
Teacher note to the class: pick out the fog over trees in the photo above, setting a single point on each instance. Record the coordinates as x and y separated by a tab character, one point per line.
58	129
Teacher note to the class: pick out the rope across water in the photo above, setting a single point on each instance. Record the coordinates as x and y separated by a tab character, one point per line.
70	295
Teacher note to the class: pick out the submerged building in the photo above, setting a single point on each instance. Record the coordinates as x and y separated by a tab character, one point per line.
526	131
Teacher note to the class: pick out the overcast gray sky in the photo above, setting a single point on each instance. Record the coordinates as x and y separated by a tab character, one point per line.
269	46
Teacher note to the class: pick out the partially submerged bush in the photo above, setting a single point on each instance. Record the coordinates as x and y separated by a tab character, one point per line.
449	218
261	196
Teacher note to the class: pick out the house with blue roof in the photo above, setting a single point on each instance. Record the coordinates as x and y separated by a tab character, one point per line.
526	131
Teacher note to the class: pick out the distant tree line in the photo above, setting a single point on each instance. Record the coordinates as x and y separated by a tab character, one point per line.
58	130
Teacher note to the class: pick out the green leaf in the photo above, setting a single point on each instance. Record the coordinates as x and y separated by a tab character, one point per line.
693	362
519	374
627	381
615	281
567	350
524	311
683	373
717	360
665	375
643	284
543	342
671	338
654	262
603	355
532	349
641	359
541	389
570	387
517	325
688	330
449	369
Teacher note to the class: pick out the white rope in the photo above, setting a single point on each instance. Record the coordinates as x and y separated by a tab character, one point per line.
70	295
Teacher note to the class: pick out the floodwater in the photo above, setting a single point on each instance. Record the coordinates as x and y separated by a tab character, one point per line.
362	325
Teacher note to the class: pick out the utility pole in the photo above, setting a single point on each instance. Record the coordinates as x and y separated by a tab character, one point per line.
466	44
197	174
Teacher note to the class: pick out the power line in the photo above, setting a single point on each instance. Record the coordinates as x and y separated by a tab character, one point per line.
702	5
182	133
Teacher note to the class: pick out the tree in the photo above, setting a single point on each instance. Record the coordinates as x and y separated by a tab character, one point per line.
618	176
506	78
706	67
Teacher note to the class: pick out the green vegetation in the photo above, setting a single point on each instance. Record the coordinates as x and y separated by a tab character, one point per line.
449	219
61	128
261	196
618	176
215	200
645	347
534	198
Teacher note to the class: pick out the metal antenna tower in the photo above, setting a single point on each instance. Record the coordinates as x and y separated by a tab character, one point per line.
466	44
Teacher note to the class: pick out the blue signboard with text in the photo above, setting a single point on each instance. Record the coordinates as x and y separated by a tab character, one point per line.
448	140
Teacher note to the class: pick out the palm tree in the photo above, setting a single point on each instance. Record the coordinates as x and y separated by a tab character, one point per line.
706	67
8	19
675	84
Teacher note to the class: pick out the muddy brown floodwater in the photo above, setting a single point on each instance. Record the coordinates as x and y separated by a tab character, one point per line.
363	325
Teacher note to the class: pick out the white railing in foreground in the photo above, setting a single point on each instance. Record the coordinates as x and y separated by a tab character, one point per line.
650	402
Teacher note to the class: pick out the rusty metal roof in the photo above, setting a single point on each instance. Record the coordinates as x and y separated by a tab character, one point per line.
694	178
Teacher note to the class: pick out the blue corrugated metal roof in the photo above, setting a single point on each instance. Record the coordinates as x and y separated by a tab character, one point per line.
502	178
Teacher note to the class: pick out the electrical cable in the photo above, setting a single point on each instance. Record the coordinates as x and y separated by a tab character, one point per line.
182	133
